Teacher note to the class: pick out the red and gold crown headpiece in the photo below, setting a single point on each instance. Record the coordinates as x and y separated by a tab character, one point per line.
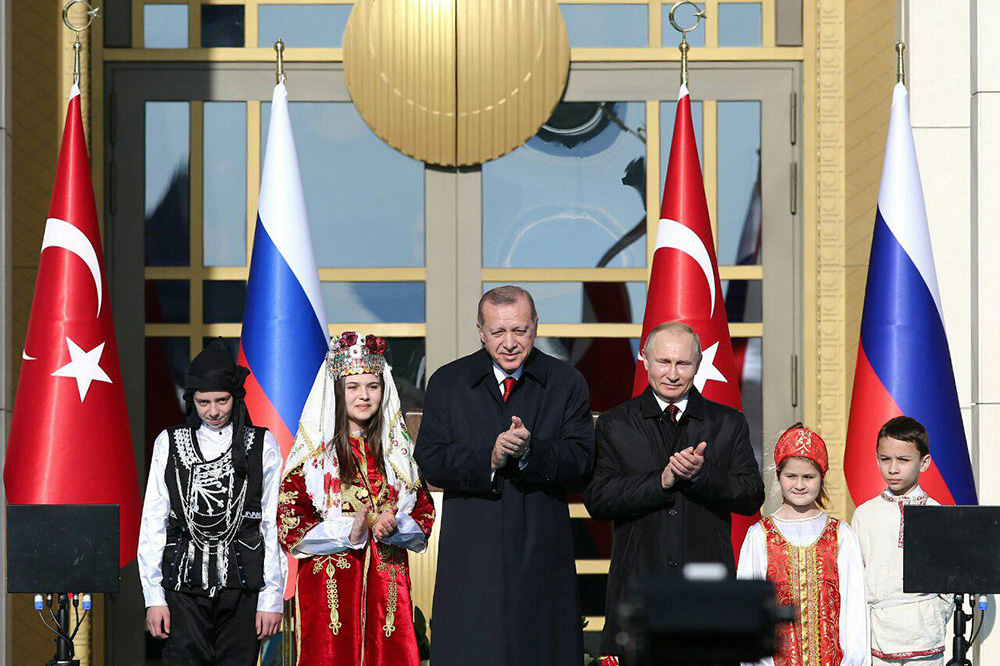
352	354
800	442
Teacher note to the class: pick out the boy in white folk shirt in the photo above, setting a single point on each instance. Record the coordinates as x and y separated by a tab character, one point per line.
907	629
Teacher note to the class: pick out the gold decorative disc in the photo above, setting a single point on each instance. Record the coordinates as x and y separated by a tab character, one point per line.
456	82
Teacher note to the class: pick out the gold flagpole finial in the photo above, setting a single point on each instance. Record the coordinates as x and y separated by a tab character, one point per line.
699	16
900	68
279	48
90	13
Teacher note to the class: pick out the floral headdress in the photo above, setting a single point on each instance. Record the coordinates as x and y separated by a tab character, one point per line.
353	355
799	442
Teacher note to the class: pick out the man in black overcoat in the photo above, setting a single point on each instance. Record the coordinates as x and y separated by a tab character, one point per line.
504	432
671	468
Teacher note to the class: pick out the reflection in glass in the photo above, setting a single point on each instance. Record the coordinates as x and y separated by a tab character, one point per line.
740	24
168	302
365	200
222	25
685	18
750	371
166	364
608	365
224	301
606	26
585	302
739	170
743	300
168	185
408	358
374	301
573	195
302	26
165	26
591	539
225	194
668	113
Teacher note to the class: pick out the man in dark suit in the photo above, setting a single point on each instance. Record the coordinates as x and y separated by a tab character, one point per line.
504	432
671	467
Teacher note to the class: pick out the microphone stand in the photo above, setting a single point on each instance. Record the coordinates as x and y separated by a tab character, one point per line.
960	646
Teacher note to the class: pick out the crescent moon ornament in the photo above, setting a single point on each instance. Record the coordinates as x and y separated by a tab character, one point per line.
59	233
672	234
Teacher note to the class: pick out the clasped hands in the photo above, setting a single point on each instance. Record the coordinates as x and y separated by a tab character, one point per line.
684	464
385	525
511	443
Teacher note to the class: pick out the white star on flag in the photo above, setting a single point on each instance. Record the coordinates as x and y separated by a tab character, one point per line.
84	367
707	370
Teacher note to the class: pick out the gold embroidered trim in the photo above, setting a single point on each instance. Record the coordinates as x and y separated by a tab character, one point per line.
331	563
391	561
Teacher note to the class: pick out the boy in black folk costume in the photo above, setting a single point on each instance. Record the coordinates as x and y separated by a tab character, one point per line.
211	570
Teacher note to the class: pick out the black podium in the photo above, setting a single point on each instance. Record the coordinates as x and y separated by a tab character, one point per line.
59	552
952	550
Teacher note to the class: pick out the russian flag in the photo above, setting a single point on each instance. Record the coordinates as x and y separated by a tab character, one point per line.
904	364
284	338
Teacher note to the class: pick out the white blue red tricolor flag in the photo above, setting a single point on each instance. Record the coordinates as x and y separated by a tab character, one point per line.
904	365
284	337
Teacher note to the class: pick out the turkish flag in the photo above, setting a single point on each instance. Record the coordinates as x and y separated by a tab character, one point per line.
69	439
684	281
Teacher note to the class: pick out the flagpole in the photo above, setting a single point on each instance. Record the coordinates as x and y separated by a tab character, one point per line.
699	16
900	67
279	48
81	637
90	12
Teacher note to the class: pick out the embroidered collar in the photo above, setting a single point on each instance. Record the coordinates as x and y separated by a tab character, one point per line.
915	496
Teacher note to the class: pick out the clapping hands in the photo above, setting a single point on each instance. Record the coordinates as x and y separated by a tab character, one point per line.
511	443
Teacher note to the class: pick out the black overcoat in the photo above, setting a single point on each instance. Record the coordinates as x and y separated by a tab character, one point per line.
657	531
506	591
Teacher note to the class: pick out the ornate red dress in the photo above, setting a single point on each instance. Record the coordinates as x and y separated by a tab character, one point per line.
352	601
815	565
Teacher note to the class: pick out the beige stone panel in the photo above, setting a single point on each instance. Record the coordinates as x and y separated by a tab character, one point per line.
987	55
939	63
987	427
944	158
986	171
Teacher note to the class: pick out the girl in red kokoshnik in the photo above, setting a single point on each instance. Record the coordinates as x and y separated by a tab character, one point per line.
814	561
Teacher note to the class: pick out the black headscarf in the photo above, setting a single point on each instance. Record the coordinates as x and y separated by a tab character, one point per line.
215	370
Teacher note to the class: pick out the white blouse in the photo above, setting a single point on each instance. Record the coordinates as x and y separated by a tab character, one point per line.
855	635
213	443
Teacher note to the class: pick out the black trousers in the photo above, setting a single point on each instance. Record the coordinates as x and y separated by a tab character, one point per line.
212	631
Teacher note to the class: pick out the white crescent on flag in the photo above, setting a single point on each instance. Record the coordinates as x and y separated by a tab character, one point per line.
673	234
59	233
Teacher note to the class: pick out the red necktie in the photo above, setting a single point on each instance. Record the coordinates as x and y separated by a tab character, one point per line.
672	412
508	386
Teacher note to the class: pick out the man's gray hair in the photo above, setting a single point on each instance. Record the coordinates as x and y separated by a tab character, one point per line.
506	295
673	327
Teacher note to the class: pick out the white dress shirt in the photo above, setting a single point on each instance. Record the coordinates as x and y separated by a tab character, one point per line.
213	442
501	375
855	639
681	404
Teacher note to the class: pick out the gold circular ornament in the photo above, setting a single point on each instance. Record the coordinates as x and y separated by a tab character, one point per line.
456	82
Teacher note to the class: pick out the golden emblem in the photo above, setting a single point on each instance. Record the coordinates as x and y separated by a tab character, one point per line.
456	82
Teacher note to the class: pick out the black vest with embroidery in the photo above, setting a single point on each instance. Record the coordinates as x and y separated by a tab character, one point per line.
213	530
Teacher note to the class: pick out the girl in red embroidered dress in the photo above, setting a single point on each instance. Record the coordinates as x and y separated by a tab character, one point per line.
351	504
814	561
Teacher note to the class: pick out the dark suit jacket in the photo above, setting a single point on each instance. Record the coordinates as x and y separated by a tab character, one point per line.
657	531
506	591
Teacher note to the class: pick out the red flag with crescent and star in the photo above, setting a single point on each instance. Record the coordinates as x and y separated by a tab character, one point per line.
684	282
69	439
